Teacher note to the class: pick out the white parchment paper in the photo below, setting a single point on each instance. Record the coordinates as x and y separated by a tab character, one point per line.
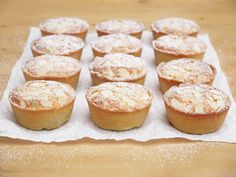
79	126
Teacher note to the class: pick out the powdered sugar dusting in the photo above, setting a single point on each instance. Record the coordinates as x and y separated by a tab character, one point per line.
119	67
187	70
197	99
80	126
179	45
52	65
64	25
57	44
176	26
127	26
120	96
42	94
116	43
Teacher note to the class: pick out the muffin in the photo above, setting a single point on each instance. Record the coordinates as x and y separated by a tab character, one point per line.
116	43
126	26
170	47
196	109
175	26
184	70
118	67
119	105
53	67
42	104
64	45
65	25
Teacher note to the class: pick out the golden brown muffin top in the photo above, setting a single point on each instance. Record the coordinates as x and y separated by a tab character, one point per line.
126	26
176	26
52	66
116	43
197	99
57	44
179	45
42	95
120	96
187	70
118	67
64	25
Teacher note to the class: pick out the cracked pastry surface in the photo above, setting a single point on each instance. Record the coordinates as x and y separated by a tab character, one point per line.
119	96
179	45
64	25
118	67
187	70
176	26
42	95
116	43
52	66
57	44
120	26
197	99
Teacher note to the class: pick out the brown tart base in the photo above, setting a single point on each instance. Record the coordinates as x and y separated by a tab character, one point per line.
77	54
42	119
117	120
195	124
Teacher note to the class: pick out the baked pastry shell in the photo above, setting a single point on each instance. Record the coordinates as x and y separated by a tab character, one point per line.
72	80
75	54
81	34
162	56
195	123
97	53
166	83
156	34
114	120
135	34
43	118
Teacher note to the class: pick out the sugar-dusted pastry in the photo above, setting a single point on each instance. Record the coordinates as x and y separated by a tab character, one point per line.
175	26
171	47
118	67
126	26
184	70
64	45
53	67
116	43
65	25
42	104
196	109
119	105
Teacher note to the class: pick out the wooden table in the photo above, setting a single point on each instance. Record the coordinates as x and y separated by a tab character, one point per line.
86	157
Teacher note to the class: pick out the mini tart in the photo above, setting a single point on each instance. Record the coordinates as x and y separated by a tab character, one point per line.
64	45
53	67
65	25
42	104
119	105
126	26
184	70
170	47
175	26
116	43
118	68
196	109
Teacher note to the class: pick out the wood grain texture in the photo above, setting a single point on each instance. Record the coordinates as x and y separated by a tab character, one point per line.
173	157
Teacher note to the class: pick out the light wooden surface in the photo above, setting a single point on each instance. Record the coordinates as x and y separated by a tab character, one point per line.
175	157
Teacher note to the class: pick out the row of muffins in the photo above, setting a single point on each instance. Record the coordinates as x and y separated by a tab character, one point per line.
117	38
79	27
120	105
